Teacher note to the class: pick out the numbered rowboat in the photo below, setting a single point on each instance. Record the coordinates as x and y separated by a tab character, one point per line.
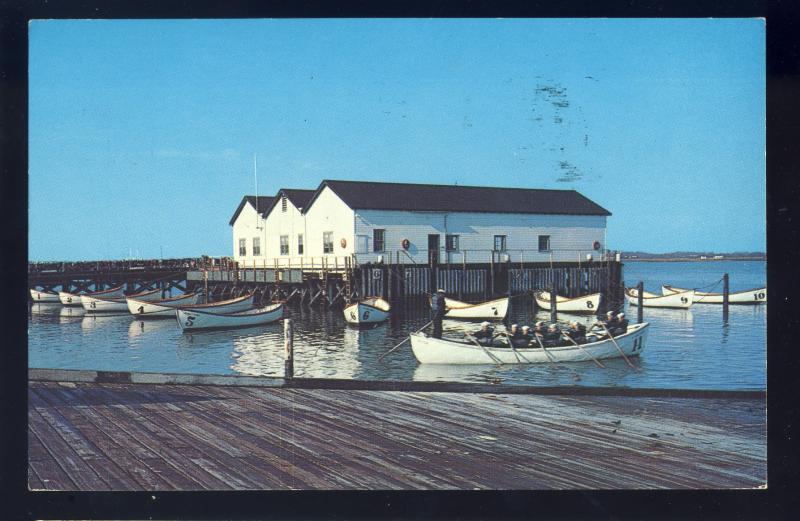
586	304
233	305
194	319
429	350
682	300
160	308
748	296
44	296
368	311
69	299
94	304
491	310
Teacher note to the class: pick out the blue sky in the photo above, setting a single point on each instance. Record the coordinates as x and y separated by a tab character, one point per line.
142	133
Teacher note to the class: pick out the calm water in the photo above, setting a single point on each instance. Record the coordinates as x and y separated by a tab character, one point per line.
686	348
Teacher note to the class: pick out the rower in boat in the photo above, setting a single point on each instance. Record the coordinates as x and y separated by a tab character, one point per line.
576	332
552	337
485	335
527	333
539	330
620	326
516	337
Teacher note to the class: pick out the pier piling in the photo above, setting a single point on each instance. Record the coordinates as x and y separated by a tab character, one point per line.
639	302
553	304
288	348
725	297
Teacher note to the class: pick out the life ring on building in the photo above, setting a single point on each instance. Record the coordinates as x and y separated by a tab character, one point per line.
596	245
405	243
343	243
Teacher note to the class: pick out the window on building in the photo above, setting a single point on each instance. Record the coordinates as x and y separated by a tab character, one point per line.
283	203
242	247
299	243
256	246
544	243
499	243
327	242
451	242
284	245
378	243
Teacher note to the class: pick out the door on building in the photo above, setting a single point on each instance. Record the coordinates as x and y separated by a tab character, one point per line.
433	249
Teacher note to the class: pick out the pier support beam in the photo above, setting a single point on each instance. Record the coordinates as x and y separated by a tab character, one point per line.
288	348
725	297
639	302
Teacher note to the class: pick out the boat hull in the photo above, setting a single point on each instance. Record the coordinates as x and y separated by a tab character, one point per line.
492	310
160	308
118	292
364	312
69	299
44	296
587	304
429	350
194	320
750	296
94	304
682	300
224	306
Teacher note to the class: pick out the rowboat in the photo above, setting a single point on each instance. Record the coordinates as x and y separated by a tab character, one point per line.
491	310
193	319
94	304
160	308
585	304
44	296
117	292
69	299
430	350
682	300
748	296
233	305
367	311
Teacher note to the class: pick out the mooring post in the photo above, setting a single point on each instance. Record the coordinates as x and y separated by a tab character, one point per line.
288	348
508	270
639	302
725	297
553	303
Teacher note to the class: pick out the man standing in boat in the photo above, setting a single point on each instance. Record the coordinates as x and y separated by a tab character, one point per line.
437	312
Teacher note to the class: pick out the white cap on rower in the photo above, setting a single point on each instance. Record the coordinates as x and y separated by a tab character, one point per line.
621	315
526	328
484	323
514	325
440	290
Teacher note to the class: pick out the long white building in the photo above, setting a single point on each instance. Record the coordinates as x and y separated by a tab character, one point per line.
416	223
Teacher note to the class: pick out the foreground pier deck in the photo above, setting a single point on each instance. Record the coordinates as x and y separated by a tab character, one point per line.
135	436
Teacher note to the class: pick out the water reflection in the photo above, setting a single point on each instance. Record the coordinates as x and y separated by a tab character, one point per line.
98	321
139	327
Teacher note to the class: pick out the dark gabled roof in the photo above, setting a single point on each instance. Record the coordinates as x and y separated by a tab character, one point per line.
264	202
298	197
365	195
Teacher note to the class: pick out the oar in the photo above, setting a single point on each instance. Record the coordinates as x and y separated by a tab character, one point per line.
618	347
516	353
551	358
595	360
490	355
404	341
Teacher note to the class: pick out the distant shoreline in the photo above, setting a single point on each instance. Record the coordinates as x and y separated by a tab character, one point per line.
694	259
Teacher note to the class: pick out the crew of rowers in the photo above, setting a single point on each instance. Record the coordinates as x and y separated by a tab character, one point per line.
543	335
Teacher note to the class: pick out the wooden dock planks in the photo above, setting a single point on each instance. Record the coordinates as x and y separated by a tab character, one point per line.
88	436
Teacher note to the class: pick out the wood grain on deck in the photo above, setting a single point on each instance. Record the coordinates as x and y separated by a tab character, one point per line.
87	436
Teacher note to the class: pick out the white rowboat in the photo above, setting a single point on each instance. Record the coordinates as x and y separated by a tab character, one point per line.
491	310
69	299
160	308
430	350
95	304
682	300
586	304
43	296
367	311
193	319
233	305
748	296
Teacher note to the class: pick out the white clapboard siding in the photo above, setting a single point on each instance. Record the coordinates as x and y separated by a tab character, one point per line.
329	213
246	227
571	236
291	223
